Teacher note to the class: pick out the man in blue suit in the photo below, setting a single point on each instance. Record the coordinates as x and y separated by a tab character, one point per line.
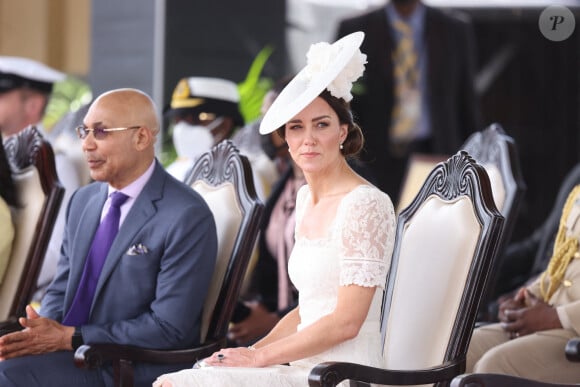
155	277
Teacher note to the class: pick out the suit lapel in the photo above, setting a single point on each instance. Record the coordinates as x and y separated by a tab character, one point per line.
141	212
87	227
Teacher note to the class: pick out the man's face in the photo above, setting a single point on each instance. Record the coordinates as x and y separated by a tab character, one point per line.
114	158
13	112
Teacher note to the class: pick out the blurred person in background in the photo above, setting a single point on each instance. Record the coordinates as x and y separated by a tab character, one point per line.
418	92
537	320
203	111
25	88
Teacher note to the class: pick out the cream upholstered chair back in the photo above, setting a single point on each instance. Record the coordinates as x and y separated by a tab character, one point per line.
228	216
498	153
424	259
224	179
39	195
446	240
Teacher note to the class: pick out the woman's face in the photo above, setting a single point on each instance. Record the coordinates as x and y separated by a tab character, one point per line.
314	136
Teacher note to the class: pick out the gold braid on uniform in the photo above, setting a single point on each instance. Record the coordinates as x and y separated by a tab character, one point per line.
564	249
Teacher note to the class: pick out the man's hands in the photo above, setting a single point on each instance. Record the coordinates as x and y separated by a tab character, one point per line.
525	314
40	335
257	324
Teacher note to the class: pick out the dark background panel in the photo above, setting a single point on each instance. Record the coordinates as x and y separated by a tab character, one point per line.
222	38
534	95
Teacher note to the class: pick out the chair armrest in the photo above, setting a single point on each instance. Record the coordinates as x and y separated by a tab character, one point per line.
95	355
495	380
331	373
573	349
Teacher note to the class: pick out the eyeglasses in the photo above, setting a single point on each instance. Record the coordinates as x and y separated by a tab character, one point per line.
99	133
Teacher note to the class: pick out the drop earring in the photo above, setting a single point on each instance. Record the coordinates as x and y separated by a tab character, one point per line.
341	147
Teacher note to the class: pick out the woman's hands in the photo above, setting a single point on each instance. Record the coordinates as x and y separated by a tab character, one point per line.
234	357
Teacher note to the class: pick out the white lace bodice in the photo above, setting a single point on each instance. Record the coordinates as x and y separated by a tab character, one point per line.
356	250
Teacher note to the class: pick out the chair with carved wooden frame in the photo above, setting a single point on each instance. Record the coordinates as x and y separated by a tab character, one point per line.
40	194
497	153
445	243
224	178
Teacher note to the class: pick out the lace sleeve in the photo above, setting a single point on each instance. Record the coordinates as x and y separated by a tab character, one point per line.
368	234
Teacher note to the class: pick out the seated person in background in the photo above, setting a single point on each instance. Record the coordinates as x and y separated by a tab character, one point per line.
143	286
203	111
7	200
537	322
524	260
344	237
25	89
271	294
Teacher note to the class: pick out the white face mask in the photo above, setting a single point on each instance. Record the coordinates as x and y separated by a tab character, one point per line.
192	140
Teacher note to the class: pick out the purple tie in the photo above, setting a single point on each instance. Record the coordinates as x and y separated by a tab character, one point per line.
78	313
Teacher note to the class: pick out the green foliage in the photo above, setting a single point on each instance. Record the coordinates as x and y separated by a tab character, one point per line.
168	153
253	89
67	96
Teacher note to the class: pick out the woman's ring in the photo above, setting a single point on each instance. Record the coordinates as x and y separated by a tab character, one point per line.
220	357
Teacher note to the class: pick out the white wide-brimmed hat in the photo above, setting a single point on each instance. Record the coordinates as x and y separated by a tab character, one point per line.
329	66
17	72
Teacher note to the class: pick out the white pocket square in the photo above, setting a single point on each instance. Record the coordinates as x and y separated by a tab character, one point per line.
138	249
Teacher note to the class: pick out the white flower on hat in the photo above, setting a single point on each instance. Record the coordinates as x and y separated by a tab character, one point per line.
322	55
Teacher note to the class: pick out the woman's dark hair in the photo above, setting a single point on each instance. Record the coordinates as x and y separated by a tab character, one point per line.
354	140
7	187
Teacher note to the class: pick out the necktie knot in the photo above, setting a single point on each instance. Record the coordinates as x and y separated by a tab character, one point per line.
118	198
402	27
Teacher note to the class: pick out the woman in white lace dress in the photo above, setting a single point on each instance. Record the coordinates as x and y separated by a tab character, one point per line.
344	234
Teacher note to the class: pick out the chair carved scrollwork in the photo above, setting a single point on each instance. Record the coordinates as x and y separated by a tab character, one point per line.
39	195
446	241
224	178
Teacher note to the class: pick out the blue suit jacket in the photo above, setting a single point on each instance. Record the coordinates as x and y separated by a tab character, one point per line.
152	299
